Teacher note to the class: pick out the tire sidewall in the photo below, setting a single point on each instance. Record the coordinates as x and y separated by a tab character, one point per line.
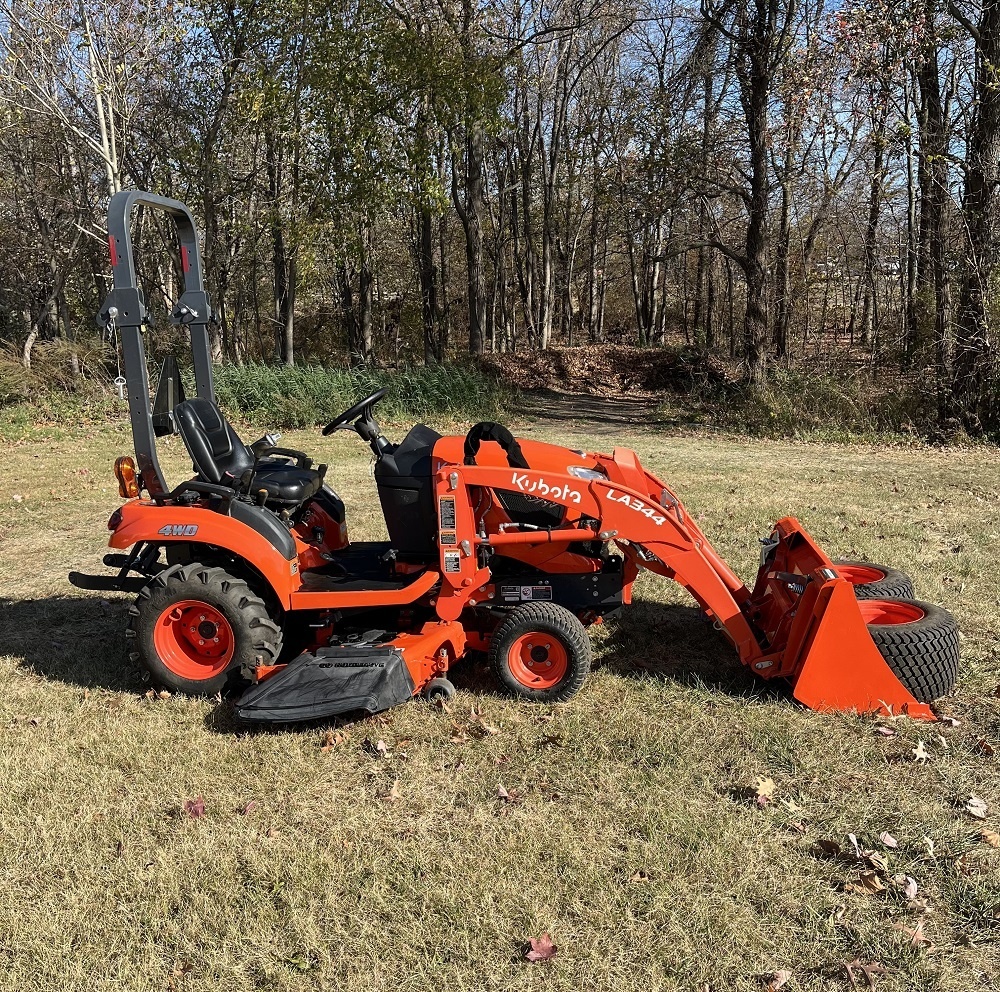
578	658
175	590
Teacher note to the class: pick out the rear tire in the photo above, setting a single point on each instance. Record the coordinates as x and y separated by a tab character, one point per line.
541	652
199	630
871	581
919	642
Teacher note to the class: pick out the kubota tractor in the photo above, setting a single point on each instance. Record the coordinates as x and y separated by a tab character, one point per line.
247	579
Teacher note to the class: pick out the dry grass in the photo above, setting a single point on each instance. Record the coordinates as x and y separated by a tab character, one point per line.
627	837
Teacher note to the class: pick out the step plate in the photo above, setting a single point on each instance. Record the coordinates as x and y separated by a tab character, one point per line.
329	681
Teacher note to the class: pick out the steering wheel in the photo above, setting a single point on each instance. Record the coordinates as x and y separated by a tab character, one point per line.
360	411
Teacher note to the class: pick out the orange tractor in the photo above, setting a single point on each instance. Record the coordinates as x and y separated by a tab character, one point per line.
247	579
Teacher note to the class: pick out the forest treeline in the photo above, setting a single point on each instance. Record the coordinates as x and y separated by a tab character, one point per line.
395	181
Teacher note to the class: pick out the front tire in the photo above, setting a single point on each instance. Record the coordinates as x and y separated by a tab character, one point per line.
197	629
541	652
871	581
919	642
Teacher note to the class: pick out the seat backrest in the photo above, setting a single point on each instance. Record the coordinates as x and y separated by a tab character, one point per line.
215	448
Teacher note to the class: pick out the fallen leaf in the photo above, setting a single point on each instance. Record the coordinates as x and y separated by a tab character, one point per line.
854	843
764	790
908	884
867	883
249	808
950	721
163	694
920	752
884	731
508	797
930	846
382	747
639	876
35	721
888	840
916	935
875	860
867	968
829	846
330	739
777	979
540	949
194	807
985	748
17	497
976	807
991	837
393	794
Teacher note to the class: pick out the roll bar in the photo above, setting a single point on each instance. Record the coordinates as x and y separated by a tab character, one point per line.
125	307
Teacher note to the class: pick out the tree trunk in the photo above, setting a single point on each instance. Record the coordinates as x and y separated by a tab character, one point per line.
973	382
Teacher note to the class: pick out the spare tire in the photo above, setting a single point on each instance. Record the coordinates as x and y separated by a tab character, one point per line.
919	642
873	581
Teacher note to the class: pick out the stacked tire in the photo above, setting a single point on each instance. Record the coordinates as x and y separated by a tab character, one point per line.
919	641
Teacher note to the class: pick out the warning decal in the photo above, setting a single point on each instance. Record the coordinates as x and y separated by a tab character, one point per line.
447	512
452	561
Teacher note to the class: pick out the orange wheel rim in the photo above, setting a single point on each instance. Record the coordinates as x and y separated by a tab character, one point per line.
194	640
538	661
889	612
860	575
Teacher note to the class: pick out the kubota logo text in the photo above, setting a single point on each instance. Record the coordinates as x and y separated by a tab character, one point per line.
538	487
178	530
638	505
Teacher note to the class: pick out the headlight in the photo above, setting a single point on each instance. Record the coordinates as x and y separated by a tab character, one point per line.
590	474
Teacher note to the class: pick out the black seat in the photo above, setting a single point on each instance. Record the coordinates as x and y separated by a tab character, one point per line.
220	457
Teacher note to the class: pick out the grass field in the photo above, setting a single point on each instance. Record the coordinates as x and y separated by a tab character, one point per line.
329	861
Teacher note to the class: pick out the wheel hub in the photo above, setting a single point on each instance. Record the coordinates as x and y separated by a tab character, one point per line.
194	640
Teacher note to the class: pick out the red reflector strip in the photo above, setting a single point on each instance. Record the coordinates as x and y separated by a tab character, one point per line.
185	261
114	250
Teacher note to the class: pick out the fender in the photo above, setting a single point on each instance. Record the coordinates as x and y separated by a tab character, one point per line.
143	520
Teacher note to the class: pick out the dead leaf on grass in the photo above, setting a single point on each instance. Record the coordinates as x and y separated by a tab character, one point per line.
950	721
830	847
908	884
508	797
920	752
330	739
777	979
540	949
917	936
393	794
888	840
976	807
194	808
867	968
867	883
985	748
639	876
991	837
883	731
249	807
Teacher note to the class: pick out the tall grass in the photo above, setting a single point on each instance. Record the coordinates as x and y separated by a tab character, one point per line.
307	395
68	384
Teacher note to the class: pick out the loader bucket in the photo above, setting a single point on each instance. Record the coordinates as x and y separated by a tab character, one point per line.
839	666
817	634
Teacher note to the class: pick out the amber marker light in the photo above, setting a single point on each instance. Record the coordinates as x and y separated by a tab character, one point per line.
125	473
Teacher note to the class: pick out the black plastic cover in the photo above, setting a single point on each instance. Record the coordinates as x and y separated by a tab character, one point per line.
330	681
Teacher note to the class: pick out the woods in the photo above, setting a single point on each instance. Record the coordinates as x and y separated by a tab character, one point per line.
396	182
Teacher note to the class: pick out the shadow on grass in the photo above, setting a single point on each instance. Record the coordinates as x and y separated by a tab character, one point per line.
79	641
677	643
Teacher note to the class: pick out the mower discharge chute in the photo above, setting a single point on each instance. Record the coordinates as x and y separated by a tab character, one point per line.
508	547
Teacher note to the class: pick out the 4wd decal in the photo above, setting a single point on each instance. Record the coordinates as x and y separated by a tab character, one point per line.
542	488
178	530
639	506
